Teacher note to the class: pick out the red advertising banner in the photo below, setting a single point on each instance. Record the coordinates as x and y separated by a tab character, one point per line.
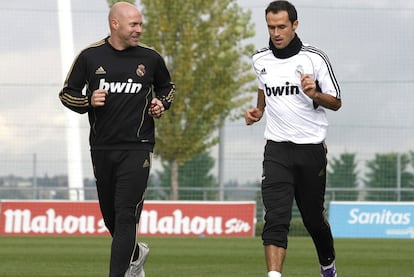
158	218
51	218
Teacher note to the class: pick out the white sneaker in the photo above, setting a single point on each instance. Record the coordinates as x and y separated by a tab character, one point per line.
136	268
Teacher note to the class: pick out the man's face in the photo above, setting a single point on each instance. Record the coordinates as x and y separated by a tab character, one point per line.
281	30
130	28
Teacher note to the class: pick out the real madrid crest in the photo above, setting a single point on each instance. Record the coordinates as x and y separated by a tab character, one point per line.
141	70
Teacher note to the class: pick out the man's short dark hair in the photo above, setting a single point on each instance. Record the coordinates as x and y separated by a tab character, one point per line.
282	5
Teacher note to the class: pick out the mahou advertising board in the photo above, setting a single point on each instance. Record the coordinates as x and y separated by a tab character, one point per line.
158	218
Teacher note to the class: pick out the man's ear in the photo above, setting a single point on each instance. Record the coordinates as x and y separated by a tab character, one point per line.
295	25
114	23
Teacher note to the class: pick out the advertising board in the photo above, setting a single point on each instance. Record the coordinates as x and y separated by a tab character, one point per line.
158	218
372	219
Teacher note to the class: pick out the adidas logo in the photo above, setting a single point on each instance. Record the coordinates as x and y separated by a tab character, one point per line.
263	71
146	164
322	172
100	70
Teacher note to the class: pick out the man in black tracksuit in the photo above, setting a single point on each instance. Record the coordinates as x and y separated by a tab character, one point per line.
113	81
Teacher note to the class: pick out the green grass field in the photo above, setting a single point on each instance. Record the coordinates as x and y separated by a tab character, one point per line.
201	257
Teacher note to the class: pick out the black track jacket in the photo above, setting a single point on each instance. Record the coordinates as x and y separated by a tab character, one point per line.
129	76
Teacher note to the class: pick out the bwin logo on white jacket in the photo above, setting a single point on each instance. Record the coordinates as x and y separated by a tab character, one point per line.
284	90
120	87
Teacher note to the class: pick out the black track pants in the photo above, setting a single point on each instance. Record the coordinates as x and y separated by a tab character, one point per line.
121	180
296	171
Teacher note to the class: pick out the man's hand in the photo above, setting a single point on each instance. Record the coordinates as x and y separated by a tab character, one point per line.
253	115
308	86
156	109
98	97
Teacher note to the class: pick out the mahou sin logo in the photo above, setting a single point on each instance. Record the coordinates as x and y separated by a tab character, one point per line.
51	218
22	221
187	218
179	224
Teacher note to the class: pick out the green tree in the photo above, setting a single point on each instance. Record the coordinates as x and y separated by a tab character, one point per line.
201	43
192	173
342	173
411	154
386	171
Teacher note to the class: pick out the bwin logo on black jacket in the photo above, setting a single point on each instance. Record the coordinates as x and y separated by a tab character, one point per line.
120	87
284	90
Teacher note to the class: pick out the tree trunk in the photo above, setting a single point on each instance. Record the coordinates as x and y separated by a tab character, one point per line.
174	180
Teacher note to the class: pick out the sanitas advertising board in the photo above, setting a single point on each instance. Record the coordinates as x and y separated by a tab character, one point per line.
372	219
